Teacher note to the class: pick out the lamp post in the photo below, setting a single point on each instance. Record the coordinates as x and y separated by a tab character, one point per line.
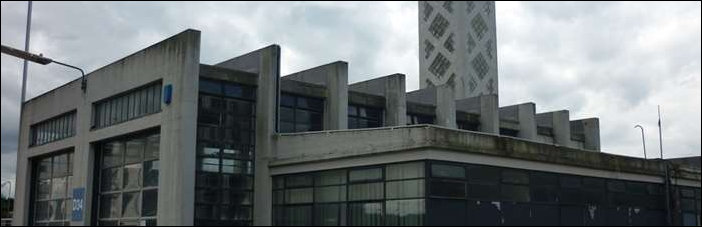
42	60
643	139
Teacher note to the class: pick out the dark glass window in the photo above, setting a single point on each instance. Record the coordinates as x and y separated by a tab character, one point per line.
449	189
128	180
225	153
468	125
364	117
130	105
300	114
383	195
52	183
415	119
448	171
57	128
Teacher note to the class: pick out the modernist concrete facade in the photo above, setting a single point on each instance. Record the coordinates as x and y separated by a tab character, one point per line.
158	138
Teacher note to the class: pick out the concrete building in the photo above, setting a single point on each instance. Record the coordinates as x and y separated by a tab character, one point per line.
458	46
158	138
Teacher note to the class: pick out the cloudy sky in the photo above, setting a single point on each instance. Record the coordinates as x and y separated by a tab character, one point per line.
612	60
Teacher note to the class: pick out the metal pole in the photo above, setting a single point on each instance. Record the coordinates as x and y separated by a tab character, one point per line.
26	49
643	139
669	217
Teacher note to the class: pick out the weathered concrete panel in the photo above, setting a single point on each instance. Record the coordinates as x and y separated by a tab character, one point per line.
174	61
334	77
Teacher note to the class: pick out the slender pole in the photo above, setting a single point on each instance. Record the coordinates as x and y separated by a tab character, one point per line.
667	173
643	139
26	49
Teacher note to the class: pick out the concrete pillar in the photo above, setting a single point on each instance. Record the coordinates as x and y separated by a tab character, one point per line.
266	63
591	129
334	76
267	95
559	121
395	100
445	106
527	121
391	87
524	115
489	114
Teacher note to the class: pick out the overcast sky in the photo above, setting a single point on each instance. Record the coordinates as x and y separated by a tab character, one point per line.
612	60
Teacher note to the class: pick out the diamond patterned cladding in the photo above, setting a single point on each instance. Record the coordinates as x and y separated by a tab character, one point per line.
438	26
428	9
480	66
448	5
439	66
479	26
448	44
470	6
471	43
428	49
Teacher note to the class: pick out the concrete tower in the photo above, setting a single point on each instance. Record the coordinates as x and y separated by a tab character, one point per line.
457	43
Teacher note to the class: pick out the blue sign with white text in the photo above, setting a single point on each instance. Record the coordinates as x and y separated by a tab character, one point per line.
78	201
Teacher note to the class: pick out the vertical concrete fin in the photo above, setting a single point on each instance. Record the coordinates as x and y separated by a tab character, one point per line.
392	88
445	106
590	132
524	114
334	76
395	100
559	122
266	63
489	114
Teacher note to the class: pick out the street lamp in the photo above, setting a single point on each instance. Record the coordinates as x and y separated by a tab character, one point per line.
643	139
42	60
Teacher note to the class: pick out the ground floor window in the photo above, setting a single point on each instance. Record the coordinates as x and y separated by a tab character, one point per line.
391	194
128	181
52	185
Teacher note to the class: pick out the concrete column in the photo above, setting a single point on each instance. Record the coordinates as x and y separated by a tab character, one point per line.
266	122
395	100
489	114
445	106
334	76
391	87
527	121
559	121
336	108
591	129
176	195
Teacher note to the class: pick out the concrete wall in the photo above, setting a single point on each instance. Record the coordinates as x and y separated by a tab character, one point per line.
559	121
333	76
487	107
266	63
174	61
392	88
420	142
525	115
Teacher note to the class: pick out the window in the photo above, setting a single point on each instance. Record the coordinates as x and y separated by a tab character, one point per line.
57	128
438	26
386	195
52	185
479	26
300	114
468	125
128	106
225	153
439	65
128	179
448	171
364	117
415	119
